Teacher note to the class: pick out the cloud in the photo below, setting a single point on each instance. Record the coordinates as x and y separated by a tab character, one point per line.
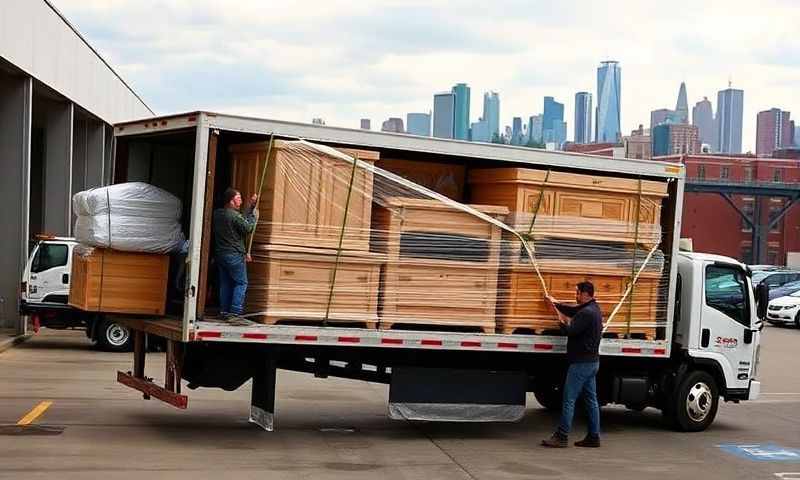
347	59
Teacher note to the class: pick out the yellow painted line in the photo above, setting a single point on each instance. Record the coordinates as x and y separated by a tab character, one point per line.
37	411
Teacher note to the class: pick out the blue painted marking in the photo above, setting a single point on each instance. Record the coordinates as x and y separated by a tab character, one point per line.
762	452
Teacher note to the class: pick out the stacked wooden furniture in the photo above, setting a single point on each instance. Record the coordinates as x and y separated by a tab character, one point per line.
111	281
442	263
294	253
586	217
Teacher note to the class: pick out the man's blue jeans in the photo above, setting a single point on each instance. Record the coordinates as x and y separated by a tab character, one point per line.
232	283
581	378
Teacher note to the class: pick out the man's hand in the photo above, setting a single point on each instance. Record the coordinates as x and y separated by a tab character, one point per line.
254	200
248	258
550	300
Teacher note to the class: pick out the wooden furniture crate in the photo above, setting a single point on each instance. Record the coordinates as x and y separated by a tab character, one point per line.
573	205
289	283
111	281
442	264
445	178
305	193
522	306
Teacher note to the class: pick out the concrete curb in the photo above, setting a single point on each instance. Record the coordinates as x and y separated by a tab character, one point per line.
6	343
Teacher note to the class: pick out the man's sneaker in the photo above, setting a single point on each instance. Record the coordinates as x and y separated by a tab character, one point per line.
589	442
557	440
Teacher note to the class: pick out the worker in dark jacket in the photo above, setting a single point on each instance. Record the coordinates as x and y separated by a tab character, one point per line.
583	325
230	230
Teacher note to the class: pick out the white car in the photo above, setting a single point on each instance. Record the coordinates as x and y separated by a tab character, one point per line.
784	310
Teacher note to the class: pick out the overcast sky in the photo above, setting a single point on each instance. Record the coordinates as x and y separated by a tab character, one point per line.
344	59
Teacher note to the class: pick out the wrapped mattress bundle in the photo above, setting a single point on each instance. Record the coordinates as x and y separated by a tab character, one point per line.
133	217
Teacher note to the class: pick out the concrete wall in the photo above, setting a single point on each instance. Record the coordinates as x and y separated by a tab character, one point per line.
15	118
36	39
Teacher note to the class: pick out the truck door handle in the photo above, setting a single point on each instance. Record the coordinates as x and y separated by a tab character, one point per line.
748	336
65	278
706	338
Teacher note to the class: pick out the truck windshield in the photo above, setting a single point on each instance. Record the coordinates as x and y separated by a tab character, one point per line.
726	291
49	255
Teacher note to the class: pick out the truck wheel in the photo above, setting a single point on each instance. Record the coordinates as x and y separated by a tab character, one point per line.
797	320
549	396
695	402
113	337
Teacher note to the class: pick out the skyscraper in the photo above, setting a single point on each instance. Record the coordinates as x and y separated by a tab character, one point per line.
773	131
553	117
516	131
583	117
444	108
393	125
419	124
797	135
366	124
461	119
535	129
703	119
491	113
681	106
662	115
607	113
479	131
730	106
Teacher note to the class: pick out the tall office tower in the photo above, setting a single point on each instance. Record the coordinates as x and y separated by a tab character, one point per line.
662	115
479	131
393	125
774	130
583	117
797	135
491	113
607	113
461	118
681	106
516	131
418	124
553	117
703	119
535	128
730	107
444	110
366	124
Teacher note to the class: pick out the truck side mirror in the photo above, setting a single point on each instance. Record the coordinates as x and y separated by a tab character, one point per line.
762	300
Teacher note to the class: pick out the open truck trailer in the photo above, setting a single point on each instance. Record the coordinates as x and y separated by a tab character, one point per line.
701	351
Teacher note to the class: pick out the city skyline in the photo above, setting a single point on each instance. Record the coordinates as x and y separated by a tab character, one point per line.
248	62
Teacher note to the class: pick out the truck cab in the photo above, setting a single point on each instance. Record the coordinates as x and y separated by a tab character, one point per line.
44	295
717	332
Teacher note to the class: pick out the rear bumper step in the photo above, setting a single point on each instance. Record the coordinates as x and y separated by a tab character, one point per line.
150	389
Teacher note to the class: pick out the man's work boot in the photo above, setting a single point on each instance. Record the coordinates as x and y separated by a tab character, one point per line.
589	442
557	440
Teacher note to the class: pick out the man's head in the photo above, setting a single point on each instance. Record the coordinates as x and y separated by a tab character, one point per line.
232	198
584	292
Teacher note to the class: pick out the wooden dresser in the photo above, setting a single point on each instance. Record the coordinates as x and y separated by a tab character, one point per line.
441	266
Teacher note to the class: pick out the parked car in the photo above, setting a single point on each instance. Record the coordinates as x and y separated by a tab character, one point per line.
774	278
784	290
785	310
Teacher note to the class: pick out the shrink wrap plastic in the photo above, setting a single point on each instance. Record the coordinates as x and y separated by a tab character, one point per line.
444	264
133	217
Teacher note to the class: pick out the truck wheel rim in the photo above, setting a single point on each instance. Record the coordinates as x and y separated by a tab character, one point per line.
116	335
698	402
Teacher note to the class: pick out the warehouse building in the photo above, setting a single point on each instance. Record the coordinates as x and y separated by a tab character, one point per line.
58	100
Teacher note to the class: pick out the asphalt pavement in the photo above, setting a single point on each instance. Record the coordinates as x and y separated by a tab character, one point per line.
93	427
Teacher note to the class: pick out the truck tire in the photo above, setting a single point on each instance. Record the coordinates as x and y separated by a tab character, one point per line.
113	337
549	395
797	320
694	403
